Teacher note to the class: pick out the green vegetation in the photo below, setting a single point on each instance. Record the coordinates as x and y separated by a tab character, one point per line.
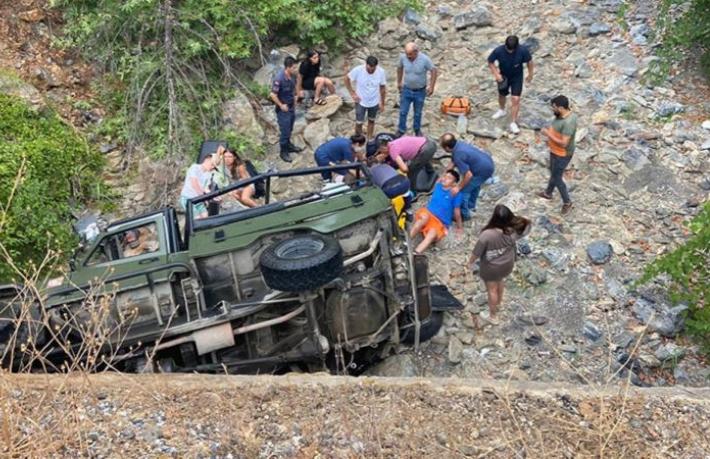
689	269
170	64
46	168
684	30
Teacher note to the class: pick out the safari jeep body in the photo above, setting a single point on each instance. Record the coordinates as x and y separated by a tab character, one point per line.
321	279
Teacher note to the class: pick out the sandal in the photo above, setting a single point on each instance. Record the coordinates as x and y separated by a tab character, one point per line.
320	101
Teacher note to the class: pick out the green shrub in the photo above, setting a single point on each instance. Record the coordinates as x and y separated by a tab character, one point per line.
683	28
688	267
170	64
56	169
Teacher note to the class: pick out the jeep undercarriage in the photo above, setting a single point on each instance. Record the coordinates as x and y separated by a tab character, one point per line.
322	280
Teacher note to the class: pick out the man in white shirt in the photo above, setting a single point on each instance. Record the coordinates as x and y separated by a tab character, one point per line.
369	93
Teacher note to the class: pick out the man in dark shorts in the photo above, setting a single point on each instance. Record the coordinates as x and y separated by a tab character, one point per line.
309	78
368	94
283	94
509	76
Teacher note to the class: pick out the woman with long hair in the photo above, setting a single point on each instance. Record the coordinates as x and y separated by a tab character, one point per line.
309	78
496	249
231	168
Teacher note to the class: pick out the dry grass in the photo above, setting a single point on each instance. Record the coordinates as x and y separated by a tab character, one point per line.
323	416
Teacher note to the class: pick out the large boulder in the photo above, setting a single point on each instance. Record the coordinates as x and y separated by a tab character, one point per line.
624	61
428	32
479	17
238	115
332	105
400	365
265	75
14	86
659	316
275	62
564	25
317	133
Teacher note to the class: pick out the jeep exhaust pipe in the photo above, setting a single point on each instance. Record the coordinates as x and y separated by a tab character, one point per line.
217	337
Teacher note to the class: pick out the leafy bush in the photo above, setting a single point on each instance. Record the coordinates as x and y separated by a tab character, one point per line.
45	168
684	30
173	61
689	269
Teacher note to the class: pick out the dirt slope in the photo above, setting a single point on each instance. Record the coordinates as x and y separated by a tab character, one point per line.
321	416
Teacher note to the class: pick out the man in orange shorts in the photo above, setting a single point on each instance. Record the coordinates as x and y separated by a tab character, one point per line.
444	207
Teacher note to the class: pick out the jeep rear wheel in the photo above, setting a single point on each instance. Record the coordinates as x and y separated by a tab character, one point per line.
302	263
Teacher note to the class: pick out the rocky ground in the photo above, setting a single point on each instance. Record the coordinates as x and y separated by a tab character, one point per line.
571	312
311	416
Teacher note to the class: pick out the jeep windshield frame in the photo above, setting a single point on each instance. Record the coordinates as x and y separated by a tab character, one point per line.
362	174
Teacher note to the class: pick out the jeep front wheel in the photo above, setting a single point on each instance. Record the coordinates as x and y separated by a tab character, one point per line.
301	263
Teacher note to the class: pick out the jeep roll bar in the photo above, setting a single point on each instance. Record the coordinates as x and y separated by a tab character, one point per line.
190	226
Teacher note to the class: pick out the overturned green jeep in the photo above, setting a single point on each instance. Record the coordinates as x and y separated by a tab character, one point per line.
321	280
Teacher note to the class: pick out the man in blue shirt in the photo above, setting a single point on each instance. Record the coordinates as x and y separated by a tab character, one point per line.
283	94
340	150
433	221
475	165
509	76
412	84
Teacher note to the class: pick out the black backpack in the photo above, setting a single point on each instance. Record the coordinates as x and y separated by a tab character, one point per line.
259	185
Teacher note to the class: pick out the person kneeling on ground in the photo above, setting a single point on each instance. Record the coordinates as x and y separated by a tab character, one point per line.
476	166
496	249
340	150
444	206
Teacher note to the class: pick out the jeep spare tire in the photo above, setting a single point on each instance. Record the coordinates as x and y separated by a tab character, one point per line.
301	263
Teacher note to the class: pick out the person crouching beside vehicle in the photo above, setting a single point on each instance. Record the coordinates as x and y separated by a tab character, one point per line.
444	206
340	150
410	154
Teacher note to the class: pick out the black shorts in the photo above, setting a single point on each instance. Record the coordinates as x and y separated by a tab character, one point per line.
309	84
512	86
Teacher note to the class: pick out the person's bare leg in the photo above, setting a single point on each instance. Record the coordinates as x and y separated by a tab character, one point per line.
429	238
358	128
500	293
514	107
493	301
370	129
329	85
501	101
247	196
319	87
418	225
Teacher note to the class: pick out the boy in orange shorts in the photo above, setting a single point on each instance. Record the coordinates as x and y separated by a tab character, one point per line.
444	206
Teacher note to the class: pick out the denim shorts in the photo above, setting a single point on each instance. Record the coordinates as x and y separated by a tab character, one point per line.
360	113
197	208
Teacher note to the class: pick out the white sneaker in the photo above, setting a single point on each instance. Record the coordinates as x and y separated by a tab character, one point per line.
499	114
514	128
